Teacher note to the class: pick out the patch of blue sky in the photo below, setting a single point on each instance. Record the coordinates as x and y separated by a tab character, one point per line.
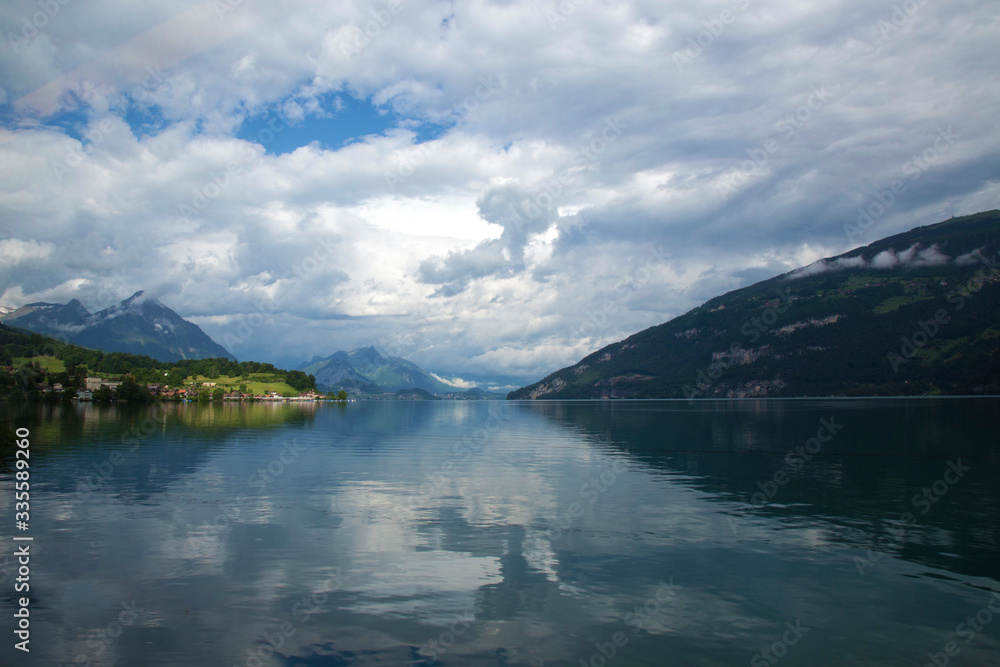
144	120
72	123
343	120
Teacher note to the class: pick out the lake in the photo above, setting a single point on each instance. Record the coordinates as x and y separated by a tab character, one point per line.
752	532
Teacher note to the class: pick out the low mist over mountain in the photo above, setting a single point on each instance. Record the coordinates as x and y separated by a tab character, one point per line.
366	370
137	325
915	313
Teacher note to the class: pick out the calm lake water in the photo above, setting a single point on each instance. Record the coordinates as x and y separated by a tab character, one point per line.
498	533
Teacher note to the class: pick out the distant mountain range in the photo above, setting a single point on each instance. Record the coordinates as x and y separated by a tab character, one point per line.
366	371
912	314
137	325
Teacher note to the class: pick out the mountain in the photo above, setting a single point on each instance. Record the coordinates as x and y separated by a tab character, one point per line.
366	370
42	317
334	370
137	325
912	314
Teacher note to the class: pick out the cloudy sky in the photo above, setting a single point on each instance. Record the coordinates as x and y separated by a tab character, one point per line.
492	189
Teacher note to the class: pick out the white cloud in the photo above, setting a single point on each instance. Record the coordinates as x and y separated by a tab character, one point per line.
16	251
524	106
458	383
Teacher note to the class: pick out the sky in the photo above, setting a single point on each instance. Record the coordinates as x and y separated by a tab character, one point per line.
491	189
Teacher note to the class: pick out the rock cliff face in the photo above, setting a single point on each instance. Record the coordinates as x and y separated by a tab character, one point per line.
915	313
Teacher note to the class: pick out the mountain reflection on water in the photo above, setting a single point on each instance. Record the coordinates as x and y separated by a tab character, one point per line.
501	533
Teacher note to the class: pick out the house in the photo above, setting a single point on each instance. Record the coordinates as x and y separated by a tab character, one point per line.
93	384
84	395
208	384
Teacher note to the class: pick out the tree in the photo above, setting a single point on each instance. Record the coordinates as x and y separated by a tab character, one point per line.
300	381
132	391
103	394
218	394
341	395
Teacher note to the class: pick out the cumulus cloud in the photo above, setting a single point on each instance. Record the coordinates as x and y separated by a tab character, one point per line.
14	252
487	199
519	214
